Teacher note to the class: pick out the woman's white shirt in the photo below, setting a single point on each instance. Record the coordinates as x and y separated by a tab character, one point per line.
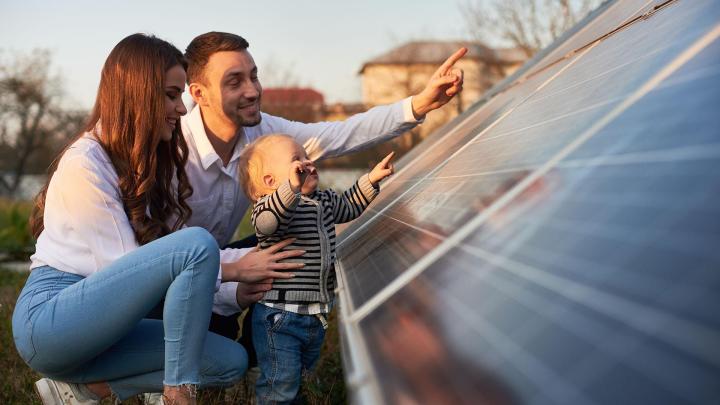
86	227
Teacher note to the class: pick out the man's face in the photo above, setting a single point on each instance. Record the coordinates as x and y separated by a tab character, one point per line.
233	87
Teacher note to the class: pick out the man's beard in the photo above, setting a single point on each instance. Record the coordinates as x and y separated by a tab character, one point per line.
245	121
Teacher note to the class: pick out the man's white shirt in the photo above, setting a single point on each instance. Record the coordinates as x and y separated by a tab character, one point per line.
218	203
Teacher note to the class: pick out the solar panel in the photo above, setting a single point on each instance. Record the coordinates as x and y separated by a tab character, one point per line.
558	243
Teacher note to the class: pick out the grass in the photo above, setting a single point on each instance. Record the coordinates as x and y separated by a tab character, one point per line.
17	381
323	387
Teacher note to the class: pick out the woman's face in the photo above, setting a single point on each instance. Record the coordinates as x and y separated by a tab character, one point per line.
174	106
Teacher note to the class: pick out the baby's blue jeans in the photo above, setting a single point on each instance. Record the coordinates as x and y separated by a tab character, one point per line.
286	344
76	329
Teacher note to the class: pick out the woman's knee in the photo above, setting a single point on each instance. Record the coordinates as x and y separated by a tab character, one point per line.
199	237
202	242
236	364
225	361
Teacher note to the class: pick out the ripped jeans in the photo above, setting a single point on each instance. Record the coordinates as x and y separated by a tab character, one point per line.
92	329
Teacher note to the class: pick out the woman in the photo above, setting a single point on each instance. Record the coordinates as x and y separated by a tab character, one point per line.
105	255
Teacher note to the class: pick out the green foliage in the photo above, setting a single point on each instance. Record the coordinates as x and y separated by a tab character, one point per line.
245	227
16	241
18	378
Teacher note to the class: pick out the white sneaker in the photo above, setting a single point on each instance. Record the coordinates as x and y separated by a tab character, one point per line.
53	392
152	398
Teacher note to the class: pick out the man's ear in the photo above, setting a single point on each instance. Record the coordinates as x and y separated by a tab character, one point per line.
198	92
269	181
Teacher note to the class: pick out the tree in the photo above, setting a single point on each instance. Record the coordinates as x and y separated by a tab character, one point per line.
529	25
274	73
33	123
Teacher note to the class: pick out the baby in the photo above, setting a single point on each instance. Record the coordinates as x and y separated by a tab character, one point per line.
288	324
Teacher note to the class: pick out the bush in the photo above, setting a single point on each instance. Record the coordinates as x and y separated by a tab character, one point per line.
16	241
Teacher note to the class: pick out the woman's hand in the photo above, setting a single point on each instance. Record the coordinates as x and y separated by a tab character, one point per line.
259	265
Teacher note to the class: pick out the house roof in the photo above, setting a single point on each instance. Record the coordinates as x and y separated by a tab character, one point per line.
435	52
292	95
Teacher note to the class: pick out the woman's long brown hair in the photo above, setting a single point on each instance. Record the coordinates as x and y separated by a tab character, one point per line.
126	120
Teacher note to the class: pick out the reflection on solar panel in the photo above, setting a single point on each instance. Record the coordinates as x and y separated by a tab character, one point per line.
560	241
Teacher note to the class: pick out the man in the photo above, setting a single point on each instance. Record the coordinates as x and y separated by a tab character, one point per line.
223	82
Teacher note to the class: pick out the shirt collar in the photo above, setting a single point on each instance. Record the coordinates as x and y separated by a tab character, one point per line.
239	146
207	153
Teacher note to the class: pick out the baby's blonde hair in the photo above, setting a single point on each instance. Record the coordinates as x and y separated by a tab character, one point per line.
250	166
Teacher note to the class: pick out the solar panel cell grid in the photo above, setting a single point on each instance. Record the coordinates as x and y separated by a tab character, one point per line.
568	254
453	140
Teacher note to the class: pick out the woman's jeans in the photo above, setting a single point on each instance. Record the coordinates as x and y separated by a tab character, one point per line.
82	330
286	344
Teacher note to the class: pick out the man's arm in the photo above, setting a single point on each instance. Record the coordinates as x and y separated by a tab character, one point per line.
361	131
323	140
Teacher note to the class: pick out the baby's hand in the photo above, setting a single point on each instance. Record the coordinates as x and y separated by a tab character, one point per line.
297	175
381	170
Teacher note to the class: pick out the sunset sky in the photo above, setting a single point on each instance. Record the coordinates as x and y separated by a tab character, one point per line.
323	42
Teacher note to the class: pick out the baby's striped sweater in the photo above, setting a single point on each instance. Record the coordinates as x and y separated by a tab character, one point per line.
311	220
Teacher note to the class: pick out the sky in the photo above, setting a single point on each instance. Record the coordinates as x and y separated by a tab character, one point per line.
321	43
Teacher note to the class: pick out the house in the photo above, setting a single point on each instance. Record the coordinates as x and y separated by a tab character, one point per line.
405	70
294	103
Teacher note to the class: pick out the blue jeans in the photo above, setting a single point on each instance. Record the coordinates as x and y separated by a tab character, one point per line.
76	329
286	344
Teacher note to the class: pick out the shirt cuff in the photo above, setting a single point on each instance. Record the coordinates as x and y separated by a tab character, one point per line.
288	197
229	255
225	299
366	187
408	115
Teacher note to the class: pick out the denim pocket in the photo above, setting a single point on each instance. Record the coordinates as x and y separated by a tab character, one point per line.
42	285
35	300
274	319
22	327
23	342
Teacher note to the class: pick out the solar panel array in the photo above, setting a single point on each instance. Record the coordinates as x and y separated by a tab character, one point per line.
560	241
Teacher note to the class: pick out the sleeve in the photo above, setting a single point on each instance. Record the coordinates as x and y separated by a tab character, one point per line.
92	200
351	203
272	214
225	299
328	139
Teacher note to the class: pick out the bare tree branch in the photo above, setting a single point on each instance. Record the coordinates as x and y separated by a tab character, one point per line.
277	74
529	25
34	125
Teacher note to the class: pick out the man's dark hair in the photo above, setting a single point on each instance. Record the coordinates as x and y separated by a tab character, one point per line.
200	49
